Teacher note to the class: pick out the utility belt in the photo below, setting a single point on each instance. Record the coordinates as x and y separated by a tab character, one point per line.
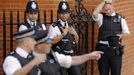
68	52
119	49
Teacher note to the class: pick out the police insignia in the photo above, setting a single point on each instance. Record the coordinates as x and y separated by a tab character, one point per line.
33	5
64	6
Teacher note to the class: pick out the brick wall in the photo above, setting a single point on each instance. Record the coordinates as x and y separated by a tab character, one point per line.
125	7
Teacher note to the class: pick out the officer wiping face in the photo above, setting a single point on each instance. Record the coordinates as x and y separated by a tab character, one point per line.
32	11
108	9
64	11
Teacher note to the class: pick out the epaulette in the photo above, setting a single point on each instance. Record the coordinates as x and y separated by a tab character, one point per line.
120	15
55	23
12	53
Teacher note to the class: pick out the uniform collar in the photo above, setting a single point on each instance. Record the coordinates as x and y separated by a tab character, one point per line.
62	22
21	52
31	23
113	14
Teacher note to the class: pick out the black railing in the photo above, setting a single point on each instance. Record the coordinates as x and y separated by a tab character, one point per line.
81	18
11	25
4	34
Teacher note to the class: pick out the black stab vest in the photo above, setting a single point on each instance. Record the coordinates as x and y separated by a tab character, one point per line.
23	62
50	66
66	43
37	27
111	26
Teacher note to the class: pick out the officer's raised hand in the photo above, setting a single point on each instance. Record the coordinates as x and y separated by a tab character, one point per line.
39	58
65	31
72	31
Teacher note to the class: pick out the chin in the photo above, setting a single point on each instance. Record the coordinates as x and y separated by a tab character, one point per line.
47	52
64	20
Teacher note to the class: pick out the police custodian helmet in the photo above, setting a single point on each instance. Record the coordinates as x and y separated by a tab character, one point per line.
32	6
63	7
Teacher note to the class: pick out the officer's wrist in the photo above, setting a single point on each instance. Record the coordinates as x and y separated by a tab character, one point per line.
62	34
104	1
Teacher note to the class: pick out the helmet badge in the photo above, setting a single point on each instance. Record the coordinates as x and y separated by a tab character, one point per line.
33	5
64	6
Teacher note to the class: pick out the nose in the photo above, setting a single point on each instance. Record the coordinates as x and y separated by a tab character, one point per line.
33	15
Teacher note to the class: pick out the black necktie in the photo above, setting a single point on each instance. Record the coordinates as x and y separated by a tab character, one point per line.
65	24
34	26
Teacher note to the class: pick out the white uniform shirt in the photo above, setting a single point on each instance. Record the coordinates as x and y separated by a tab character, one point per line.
63	60
54	31
12	64
23	27
124	25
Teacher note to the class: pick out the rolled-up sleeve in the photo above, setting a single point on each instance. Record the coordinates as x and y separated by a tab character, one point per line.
43	26
124	26
11	65
64	60
22	27
99	19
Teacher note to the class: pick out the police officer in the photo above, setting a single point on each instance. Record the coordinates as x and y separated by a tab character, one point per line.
64	35
112	27
21	61
31	20
54	60
52	65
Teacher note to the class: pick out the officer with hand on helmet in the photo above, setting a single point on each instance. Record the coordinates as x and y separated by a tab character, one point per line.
112	28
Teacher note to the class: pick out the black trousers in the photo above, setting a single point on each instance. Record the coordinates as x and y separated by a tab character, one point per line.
110	61
74	70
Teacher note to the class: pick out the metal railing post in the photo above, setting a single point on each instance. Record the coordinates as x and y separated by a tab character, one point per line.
11	31
4	35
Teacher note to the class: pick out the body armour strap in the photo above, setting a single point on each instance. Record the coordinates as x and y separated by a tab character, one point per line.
38	27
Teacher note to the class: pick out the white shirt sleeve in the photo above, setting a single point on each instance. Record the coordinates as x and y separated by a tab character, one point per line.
53	31
99	19
64	60
43	26
124	26
10	65
22	27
